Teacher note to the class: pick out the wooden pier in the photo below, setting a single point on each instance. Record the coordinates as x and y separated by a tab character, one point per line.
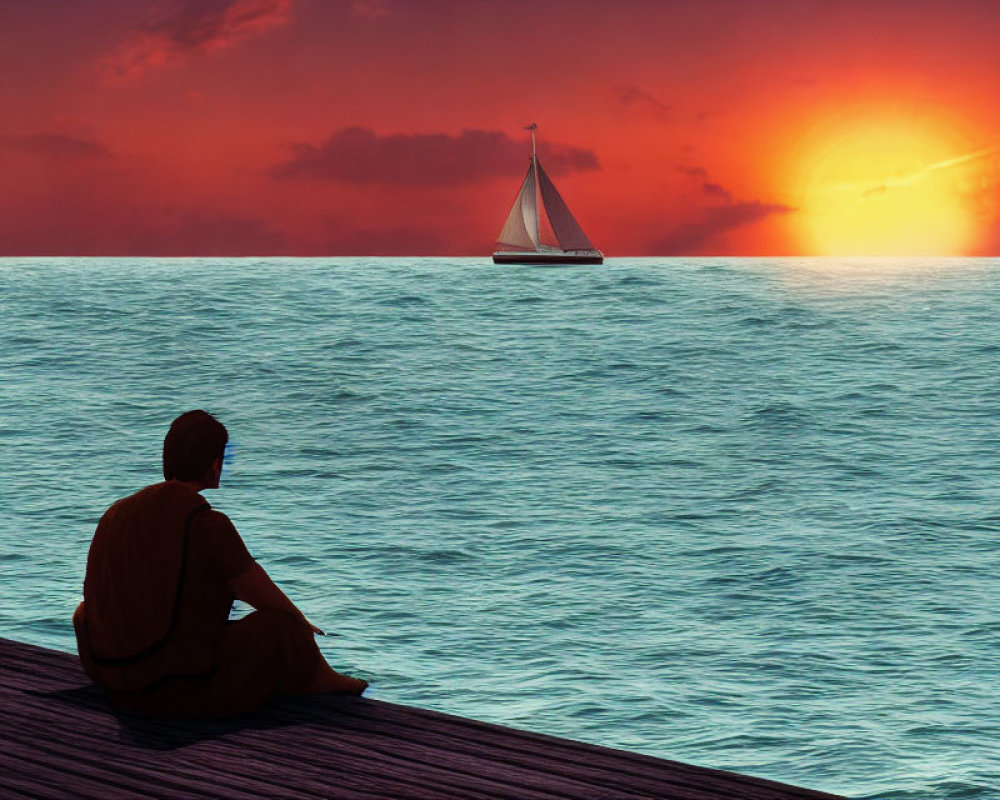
60	739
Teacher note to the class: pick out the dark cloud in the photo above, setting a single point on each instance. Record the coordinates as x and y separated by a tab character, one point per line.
634	97
360	156
717	191
694	172
205	24
692	238
193	26
370	9
714	190
55	145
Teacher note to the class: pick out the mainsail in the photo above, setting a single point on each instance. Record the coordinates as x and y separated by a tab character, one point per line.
520	231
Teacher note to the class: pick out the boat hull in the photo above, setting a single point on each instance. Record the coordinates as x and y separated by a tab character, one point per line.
548	257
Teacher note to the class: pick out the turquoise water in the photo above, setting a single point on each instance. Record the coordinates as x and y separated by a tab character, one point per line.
740	513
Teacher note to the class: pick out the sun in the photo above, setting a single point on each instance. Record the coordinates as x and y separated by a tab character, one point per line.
885	187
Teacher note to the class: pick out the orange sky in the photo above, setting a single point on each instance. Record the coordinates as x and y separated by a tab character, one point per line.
394	127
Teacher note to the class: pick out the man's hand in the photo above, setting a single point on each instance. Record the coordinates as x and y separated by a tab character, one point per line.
256	588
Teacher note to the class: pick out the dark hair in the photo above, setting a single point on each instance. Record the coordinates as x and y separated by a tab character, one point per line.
192	444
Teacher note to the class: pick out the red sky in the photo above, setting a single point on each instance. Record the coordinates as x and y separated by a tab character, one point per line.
394	127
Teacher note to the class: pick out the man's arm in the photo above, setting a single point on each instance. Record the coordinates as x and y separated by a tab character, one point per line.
256	588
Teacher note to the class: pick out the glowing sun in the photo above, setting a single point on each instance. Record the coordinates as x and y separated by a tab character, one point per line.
888	188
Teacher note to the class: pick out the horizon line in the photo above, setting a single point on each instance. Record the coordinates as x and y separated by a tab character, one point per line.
484	257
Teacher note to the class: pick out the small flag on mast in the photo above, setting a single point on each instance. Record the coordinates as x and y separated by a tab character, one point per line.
531	128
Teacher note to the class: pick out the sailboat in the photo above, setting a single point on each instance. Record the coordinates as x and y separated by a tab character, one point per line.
520	240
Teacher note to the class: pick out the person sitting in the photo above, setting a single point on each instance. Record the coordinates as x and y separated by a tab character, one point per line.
163	570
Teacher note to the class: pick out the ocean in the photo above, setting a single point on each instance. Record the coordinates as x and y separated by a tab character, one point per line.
742	513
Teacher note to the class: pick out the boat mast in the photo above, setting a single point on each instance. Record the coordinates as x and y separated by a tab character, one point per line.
534	164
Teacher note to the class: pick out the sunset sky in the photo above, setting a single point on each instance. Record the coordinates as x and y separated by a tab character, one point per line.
395	127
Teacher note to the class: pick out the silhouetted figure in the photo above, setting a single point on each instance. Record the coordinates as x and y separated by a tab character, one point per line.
163	571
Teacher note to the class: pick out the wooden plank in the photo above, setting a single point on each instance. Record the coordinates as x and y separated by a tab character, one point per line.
348	756
521	769
474	772
576	754
43	785
225	765
62	735
71	774
558	755
505	744
436	768
352	751
124	771
20	786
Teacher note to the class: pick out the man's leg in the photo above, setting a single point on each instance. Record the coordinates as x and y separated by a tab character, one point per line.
263	654
272	652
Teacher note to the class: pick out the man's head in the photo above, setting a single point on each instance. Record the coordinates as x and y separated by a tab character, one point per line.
195	441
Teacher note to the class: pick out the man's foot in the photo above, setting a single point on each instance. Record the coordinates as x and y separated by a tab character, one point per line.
345	684
329	681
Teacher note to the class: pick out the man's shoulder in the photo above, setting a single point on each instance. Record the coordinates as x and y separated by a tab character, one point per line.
213	519
163	499
164	490
129	501
216	538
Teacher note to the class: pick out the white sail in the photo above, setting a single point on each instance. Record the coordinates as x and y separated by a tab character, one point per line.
568	232
520	231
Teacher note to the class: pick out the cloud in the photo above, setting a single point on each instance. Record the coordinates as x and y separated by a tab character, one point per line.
360	156
914	176
717	191
55	145
715	221
694	172
370	9
875	191
714	190
634	97
192	27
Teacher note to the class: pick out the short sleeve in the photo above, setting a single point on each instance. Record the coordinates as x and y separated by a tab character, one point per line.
226	556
